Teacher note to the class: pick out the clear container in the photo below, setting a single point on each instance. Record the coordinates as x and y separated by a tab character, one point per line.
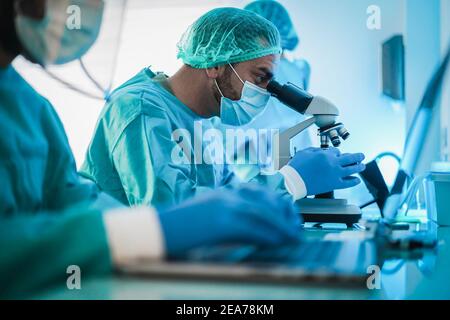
437	196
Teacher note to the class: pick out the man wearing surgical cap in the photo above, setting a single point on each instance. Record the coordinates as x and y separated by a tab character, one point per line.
152	144
52	222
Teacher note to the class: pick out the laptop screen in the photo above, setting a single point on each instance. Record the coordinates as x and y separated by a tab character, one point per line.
415	139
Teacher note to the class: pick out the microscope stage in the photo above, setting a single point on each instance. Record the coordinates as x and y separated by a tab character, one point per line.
329	211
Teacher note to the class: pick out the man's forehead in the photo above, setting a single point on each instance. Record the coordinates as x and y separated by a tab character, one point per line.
267	62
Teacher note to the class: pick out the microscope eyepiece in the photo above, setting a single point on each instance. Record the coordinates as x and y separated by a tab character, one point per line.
292	96
274	87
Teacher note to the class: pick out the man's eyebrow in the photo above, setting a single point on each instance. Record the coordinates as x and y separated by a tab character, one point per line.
267	72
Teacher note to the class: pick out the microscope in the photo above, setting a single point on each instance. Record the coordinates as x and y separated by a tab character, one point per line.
322	208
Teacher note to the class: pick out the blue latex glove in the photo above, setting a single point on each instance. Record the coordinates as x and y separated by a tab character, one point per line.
327	170
248	215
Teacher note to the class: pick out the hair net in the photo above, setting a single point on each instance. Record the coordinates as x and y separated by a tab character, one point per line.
278	15
228	35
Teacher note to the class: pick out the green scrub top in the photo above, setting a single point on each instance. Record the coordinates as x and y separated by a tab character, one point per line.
131	156
45	220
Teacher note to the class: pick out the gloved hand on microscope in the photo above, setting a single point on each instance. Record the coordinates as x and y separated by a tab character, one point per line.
322	170
325	170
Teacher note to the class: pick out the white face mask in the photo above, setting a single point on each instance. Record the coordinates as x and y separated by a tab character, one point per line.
67	31
253	101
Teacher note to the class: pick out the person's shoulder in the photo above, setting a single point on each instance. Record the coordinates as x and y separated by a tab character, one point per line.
14	84
139	95
15	90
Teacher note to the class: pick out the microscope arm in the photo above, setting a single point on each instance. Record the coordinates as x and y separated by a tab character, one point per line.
322	106
295	130
282	142
324	114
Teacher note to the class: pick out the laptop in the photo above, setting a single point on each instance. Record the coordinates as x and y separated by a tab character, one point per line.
389	202
305	261
338	260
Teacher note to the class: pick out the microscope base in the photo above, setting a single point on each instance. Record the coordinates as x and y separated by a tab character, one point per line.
329	211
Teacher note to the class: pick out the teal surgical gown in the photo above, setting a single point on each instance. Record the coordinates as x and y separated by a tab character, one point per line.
46	218
135	154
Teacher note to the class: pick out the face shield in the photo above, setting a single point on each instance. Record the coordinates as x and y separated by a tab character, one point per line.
76	42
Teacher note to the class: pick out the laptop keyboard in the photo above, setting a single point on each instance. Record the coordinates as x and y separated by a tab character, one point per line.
304	254
312	253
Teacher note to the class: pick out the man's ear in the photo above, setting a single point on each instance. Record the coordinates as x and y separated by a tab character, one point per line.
215	72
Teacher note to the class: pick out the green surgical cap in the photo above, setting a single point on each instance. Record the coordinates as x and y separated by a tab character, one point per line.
278	15
228	35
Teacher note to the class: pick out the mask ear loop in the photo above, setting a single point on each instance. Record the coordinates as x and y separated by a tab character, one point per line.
220	91
235	72
105	91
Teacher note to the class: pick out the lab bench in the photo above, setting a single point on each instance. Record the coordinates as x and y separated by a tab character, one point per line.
421	274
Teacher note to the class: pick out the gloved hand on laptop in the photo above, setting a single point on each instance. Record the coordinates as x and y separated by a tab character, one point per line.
249	215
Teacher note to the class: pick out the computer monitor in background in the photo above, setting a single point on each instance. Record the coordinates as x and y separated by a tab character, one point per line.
393	68
415	140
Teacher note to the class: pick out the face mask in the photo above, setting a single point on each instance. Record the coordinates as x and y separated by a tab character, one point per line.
253	101
66	33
